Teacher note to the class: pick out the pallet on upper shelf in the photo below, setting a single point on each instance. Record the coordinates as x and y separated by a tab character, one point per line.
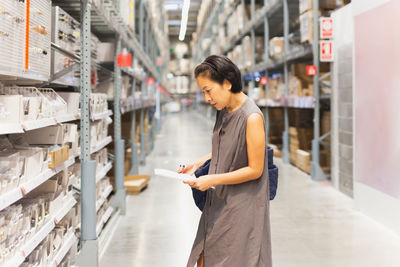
271	7
11	128
295	52
291	102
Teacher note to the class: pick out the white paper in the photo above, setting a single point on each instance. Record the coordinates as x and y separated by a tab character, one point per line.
173	175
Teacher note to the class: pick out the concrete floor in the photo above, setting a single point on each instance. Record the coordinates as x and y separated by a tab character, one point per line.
313	225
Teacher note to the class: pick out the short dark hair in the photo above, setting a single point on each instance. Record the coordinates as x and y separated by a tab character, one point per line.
219	68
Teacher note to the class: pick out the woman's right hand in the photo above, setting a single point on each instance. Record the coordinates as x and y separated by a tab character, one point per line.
188	169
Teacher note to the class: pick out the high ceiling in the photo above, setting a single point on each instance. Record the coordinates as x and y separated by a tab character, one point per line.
174	11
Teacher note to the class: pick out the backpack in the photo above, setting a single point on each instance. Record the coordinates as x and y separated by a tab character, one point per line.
200	196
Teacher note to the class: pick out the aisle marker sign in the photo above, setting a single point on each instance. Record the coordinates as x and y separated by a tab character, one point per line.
326	51
124	60
159	61
263	80
150	81
326	28
311	70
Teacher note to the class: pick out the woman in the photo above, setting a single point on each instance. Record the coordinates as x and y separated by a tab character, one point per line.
234	229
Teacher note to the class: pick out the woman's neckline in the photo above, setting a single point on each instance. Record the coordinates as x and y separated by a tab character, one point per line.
239	108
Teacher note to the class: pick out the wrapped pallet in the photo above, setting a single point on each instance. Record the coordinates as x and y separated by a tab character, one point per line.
307	5
247	51
307	27
276	46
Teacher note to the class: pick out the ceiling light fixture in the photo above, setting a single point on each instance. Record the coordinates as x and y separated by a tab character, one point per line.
184	20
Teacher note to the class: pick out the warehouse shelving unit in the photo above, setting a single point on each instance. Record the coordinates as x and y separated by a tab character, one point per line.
274	17
102	18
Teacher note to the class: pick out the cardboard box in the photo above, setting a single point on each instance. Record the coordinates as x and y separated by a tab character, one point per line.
33	161
303	160
307	27
52	135
301	118
326	124
11	108
247	51
134	184
260	48
293	131
295	86
307	5
72	100
277	151
325	159
276	46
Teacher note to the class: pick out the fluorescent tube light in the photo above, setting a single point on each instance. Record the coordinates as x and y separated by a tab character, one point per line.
184	20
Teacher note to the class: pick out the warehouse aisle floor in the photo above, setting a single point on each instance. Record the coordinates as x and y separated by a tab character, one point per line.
313	225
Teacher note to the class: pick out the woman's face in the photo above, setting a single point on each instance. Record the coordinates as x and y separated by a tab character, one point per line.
214	93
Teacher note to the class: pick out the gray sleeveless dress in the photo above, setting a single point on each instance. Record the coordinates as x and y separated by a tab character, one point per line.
234	228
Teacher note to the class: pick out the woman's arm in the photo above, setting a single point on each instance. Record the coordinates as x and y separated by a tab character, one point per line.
255	138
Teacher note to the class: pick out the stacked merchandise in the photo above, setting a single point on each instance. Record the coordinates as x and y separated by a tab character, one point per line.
300	84
38	217
33	42
103	208
305	83
276	128
32	107
301	134
276	47
307	17
300	146
127	12
325	152
65	34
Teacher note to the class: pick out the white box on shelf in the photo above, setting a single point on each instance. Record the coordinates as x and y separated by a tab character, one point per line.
55	134
33	161
72	100
13	106
106	52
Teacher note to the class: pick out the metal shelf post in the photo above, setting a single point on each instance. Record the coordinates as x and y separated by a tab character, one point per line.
316	171
141	10
89	250
157	115
119	143
253	43
285	150
134	148
142	136
266	58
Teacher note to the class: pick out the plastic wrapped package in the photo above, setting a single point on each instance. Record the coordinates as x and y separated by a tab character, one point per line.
66	34
55	104
10	170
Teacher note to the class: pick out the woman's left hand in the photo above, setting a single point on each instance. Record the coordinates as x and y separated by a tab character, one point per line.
202	183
